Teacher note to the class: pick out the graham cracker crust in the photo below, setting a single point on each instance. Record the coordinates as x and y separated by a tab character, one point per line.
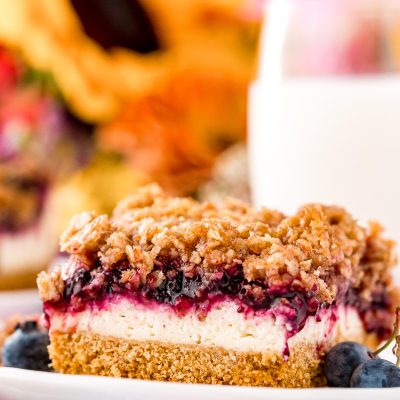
90	354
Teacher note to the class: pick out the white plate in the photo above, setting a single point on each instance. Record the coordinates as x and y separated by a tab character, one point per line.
22	385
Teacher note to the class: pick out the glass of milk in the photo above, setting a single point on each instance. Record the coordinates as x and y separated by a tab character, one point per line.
324	123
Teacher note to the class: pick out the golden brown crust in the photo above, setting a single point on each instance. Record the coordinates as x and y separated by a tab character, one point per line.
85	353
319	249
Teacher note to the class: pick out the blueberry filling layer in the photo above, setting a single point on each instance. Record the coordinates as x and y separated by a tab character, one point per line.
198	292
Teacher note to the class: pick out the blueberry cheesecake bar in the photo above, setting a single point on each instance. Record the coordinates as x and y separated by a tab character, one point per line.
27	235
176	290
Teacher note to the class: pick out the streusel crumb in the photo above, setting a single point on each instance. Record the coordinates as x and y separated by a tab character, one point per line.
320	249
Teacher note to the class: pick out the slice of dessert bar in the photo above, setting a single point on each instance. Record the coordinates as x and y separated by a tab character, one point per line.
28	238
41	144
171	289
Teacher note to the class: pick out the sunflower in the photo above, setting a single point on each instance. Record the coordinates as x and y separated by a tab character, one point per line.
103	53
164	82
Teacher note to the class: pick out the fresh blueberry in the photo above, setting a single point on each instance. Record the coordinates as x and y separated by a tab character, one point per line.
27	348
342	360
376	373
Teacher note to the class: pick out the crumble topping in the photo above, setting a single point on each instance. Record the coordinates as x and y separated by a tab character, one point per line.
320	249
51	284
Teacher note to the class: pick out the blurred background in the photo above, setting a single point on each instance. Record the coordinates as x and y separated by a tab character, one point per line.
99	97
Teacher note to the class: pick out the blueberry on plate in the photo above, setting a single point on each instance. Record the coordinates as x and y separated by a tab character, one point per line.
27	348
342	360
351	364
376	373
